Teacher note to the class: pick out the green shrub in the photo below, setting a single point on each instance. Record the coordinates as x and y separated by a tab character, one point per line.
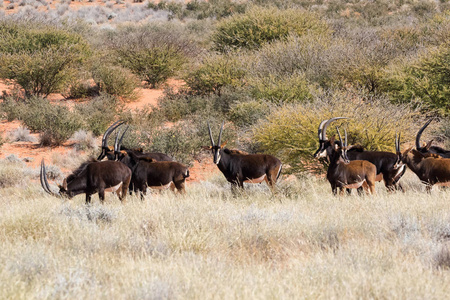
261	25
98	113
281	89
247	113
41	59
290	132
214	73
154	52
55	123
427	79
116	81
81	89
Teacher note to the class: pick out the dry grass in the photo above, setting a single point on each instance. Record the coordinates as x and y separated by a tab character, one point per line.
209	244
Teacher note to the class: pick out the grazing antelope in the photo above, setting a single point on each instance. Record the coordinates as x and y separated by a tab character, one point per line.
385	162
343	173
147	172
238	167
427	148
92	177
429	167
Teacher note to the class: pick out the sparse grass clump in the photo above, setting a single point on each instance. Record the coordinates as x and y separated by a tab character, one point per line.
21	134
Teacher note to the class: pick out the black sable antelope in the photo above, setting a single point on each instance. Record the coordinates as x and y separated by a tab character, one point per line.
147	172
343	173
427	148
429	167
238	167
90	178
119	155
386	162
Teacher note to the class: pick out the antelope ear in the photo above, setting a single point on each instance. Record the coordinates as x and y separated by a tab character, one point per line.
428	145
223	144
123	152
206	147
64	185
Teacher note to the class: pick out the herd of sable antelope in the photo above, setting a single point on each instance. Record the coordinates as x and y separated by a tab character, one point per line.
350	167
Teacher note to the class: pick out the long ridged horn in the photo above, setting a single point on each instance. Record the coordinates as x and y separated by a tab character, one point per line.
321	129
220	134
121	138
210	135
109	130
419	133
44	181
324	131
116	142
340	137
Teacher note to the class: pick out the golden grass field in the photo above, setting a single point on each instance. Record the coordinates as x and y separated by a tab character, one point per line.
302	243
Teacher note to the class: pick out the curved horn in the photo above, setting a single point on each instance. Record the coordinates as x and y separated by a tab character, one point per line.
397	142
220	134
321	128
116	142
419	133
121	138
324	131
109	130
44	182
210	135
340	137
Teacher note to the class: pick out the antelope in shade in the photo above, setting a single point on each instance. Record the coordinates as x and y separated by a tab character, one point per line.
238	167
427	148
105	148
385	162
147	172
343	173
92	177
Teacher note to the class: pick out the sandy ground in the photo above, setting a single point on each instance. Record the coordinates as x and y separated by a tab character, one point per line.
32	153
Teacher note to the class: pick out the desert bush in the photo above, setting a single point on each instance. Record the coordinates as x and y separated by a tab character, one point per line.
97	114
153	52
21	134
82	88
214	73
40	59
54	122
84	140
261	25
426	78
290	131
116	81
281	89
246	113
13	173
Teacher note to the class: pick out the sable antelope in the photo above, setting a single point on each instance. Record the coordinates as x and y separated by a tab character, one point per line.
429	167
428	148
238	167
385	162
343	173
92	177
147	172
117	154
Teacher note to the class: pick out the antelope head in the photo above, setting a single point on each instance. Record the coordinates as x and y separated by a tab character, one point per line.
105	148
324	143
215	148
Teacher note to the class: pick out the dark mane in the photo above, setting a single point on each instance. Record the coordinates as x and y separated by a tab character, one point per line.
357	148
80	169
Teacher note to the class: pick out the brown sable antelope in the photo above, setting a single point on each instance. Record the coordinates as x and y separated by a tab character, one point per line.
429	167
147	172
385	162
90	178
238	167
112	154
427	148
343	173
